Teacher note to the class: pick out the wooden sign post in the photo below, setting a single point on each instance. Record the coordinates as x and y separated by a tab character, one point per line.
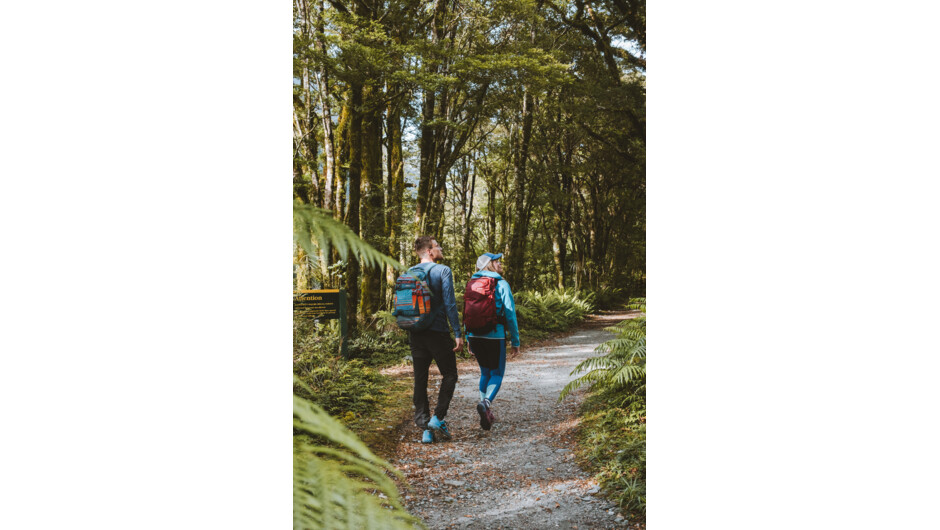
324	304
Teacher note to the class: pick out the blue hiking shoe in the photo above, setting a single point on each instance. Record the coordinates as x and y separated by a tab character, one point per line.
427	438
440	427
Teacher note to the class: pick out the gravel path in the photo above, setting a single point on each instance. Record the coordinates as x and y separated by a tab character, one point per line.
522	473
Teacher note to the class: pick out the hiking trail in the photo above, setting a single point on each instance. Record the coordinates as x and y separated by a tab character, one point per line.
522	473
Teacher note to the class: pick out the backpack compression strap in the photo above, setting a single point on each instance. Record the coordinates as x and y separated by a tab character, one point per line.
440	297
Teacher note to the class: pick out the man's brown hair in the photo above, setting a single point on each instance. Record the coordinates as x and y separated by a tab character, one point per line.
423	243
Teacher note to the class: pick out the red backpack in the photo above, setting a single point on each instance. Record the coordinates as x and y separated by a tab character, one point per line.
479	305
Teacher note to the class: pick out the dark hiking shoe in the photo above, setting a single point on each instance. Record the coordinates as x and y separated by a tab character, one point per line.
427	438
486	415
439	427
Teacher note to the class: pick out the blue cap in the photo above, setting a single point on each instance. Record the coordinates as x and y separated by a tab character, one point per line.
485	260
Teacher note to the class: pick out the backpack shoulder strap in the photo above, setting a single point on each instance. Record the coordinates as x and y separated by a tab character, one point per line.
421	267
501	313
427	269
440	287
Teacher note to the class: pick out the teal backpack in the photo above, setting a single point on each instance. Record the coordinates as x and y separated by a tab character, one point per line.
413	298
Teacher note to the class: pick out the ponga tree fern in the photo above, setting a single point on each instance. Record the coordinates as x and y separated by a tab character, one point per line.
623	364
338	481
315	230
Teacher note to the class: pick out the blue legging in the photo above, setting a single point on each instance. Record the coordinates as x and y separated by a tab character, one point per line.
490	379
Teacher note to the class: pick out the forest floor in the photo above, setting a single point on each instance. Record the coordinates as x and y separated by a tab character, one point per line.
523	473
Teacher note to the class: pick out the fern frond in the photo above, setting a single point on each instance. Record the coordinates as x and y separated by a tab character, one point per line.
627	373
617	347
622	365
315	228
336	485
594	363
586	379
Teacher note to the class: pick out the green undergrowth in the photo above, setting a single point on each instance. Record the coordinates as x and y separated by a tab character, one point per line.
609	298
380	342
346	389
354	391
612	444
612	435
528	336
554	310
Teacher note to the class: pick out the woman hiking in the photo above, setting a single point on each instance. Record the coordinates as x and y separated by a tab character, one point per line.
489	310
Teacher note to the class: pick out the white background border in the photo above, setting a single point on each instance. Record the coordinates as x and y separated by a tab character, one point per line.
792	265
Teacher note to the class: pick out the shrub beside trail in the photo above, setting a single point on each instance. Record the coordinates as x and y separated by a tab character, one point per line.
612	436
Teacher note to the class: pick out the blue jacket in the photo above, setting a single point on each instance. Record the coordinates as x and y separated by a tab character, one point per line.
441	282
505	306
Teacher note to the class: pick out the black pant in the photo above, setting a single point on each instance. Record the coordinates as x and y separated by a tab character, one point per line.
439	347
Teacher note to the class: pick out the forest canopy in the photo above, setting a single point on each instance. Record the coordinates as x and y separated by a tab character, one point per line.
509	126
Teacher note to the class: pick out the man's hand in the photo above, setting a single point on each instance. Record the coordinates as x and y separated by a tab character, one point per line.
515	350
459	345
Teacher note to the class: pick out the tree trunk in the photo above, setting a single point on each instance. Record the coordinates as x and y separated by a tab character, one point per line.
428	143
562	219
517	244
300	185
323	93
310	140
342	167
395	185
434	220
308	131
490	215
352	212
426	169
468	212
372	218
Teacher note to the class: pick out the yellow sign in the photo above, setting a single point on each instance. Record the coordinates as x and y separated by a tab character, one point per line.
319	304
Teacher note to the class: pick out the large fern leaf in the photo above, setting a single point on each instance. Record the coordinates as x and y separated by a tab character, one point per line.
315	229
623	363
339	482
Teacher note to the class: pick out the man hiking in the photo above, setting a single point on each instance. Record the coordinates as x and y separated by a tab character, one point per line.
434	342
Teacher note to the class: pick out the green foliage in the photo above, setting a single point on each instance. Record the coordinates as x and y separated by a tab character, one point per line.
343	388
623	363
338	481
583	185
554	310
612	438
609	297
527	336
612	442
381	342
315	230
